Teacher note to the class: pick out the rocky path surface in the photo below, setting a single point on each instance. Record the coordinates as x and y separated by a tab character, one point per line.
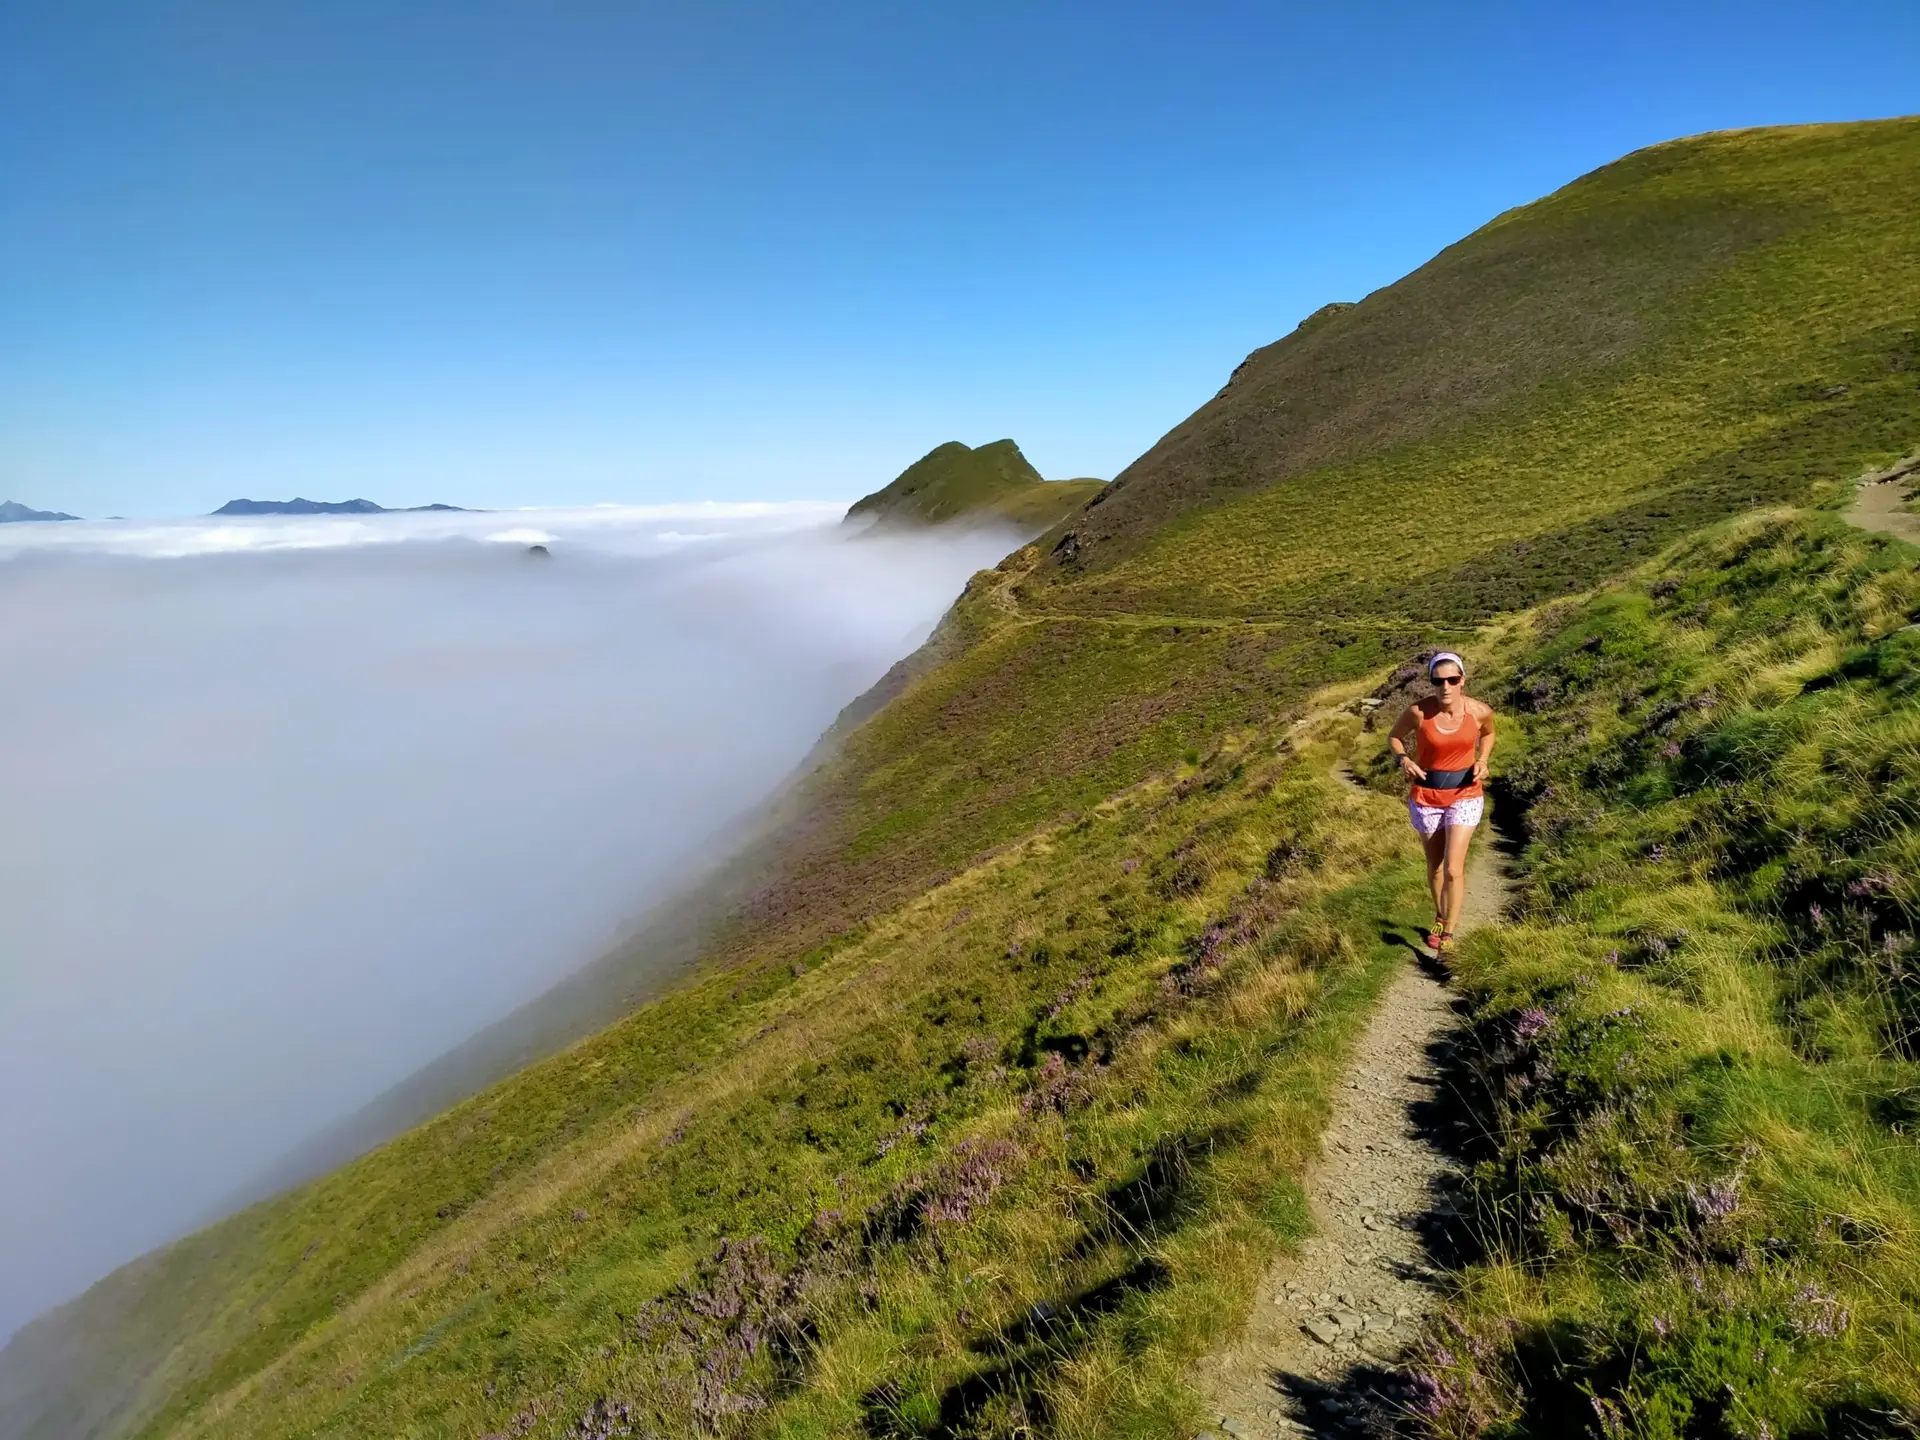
1356	1293
1877	505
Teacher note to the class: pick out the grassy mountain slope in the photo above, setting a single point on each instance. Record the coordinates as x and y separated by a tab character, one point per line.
1672	335
1797	364
997	1081
1691	1086
955	482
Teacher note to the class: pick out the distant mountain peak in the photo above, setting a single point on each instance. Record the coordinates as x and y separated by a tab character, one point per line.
957	482
12	511
302	506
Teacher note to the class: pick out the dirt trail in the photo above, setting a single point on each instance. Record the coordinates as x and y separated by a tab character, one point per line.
1358	1290
1877	504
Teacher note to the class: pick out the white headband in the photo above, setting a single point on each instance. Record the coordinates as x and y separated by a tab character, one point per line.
1441	659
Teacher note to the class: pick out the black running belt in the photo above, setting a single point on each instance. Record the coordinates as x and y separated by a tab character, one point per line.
1448	779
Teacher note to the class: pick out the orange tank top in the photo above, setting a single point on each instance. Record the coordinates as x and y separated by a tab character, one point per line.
1447	750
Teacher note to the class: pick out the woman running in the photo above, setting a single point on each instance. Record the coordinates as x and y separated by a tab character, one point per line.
1453	735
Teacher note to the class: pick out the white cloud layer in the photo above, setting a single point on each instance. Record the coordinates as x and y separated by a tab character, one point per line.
289	806
622	529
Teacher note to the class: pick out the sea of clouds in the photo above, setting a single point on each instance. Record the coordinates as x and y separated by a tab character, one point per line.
290	805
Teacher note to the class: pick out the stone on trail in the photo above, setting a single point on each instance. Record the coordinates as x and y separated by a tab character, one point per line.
1322	1330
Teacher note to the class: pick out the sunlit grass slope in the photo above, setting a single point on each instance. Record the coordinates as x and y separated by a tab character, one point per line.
985	1107
1664	340
956	483
1693	1080
1732	321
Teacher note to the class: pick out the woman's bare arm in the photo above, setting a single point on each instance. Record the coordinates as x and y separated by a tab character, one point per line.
1408	722
1484	748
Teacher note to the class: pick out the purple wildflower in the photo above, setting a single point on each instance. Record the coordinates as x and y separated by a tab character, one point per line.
912	1130
1067	996
604	1420
1531	1023
1429	1396
1056	1088
965	1184
1819	1312
700	1336
977	1052
1613	1423
1717	1201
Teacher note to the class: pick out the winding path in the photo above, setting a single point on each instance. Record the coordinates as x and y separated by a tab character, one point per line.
1356	1292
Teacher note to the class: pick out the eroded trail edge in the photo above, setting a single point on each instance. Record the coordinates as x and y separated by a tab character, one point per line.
1880	499
1357	1291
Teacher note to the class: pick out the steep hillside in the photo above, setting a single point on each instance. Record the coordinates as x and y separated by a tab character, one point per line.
985	1108
1752	382
954	483
1565	390
1691	1092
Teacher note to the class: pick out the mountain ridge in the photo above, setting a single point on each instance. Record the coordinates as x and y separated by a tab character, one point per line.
301	506
955	483
12	512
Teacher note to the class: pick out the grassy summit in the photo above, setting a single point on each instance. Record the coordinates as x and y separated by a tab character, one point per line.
953	482
984	1108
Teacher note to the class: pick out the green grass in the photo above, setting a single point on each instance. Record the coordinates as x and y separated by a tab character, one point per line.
955	482
1692	1069
1018	846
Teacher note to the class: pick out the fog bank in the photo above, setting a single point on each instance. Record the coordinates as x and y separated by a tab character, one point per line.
288	807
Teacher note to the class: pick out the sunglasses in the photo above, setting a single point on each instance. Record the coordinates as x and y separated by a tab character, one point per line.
1449	679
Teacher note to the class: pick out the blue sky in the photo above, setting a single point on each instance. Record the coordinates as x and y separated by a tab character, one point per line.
555	252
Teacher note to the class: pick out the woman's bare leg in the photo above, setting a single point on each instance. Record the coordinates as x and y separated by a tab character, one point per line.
1454	842
1436	847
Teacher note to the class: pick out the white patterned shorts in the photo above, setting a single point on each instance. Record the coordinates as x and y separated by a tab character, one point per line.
1429	818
